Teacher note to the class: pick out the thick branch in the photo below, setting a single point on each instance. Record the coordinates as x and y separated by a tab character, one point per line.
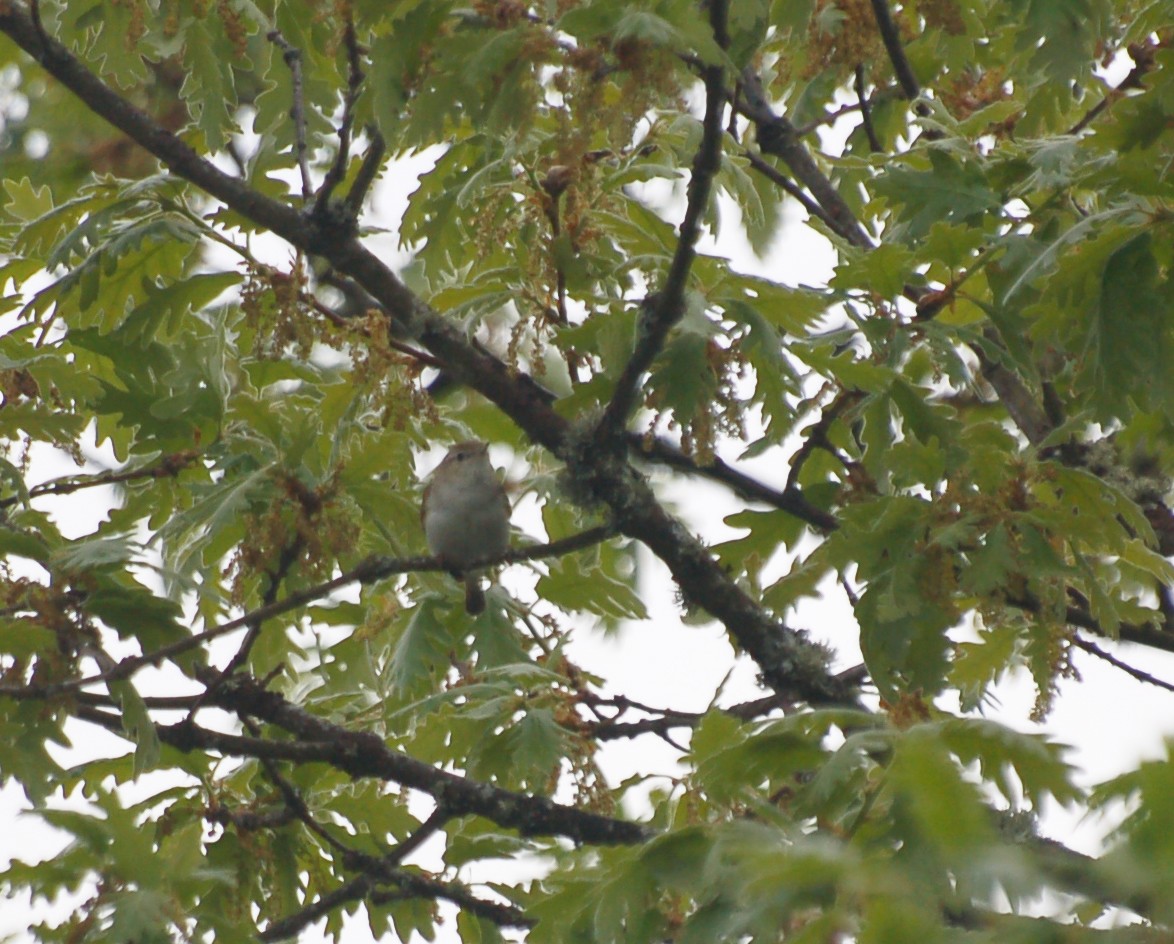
362	754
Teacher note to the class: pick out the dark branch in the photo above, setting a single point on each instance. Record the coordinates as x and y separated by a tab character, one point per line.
777	136
368	171
866	111
167	467
662	310
779	179
892	40
790	499
362	754
355	78
1093	649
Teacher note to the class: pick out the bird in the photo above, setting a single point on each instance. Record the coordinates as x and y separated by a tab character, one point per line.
466	516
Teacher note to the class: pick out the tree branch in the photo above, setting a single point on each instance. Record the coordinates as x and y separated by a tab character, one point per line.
371	570
662	310
297	109
776	135
355	78
167	467
362	754
789	499
789	661
892	40
865	110
1093	649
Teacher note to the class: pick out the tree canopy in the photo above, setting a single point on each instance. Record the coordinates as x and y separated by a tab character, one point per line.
964	431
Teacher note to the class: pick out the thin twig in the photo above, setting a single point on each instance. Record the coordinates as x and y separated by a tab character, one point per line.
291	926
425	831
277	575
355	76
167	467
866	111
772	173
1093	649
368	171
817	437
297	109
554	184
790	500
355	296
290	796
1144	61
830	117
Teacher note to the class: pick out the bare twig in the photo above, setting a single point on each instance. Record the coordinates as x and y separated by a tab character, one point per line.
1143	57
368	171
830	117
790	499
1093	649
866	111
356	298
292	925
772	173
355	76
167	467
297	109
286	559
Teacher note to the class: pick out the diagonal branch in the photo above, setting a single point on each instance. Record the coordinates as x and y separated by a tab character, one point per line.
1093	649
662	310
892	40
776	135
790	499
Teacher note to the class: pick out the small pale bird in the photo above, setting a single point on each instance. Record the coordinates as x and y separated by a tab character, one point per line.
466	515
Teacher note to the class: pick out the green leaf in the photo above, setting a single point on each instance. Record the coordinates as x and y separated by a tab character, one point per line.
420	649
947	191
137	723
1038	764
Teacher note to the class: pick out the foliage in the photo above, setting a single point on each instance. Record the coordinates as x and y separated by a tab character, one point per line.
969	422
